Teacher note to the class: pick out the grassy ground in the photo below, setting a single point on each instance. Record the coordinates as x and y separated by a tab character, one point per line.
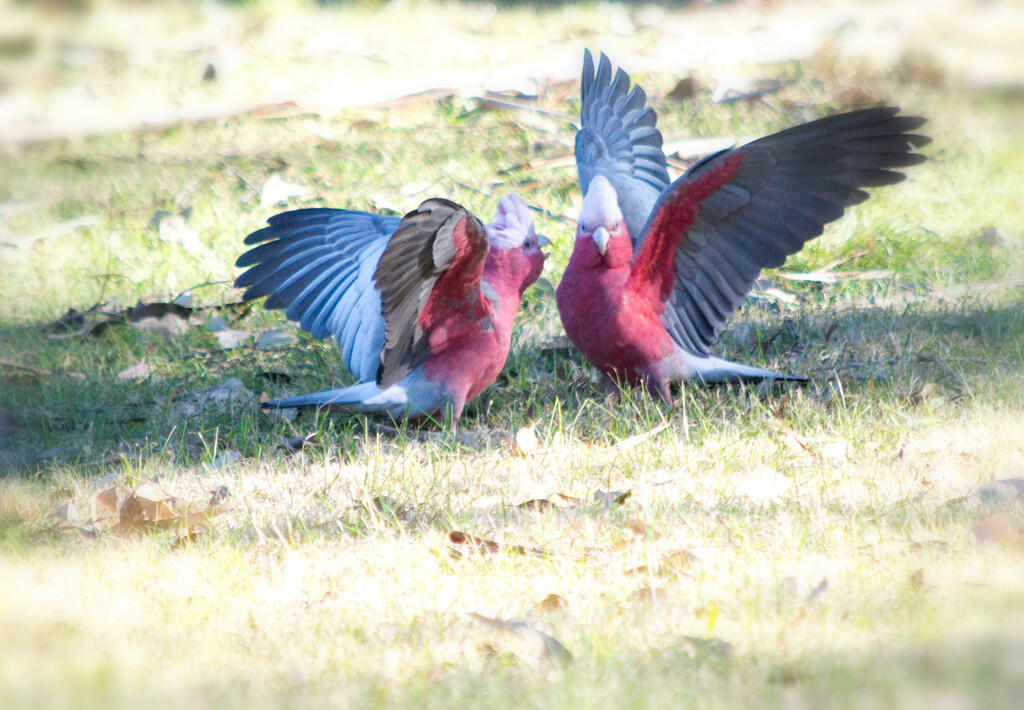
828	544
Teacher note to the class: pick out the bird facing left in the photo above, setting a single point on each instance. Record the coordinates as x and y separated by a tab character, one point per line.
421	306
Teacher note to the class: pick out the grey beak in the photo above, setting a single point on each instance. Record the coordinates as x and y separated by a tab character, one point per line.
542	241
601	238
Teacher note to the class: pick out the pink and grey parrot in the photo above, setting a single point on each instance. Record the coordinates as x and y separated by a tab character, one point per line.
421	307
658	266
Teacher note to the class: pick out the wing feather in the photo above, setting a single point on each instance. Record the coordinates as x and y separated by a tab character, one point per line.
306	261
786	188
619	139
430	270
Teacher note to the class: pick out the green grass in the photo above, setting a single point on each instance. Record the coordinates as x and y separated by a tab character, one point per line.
309	594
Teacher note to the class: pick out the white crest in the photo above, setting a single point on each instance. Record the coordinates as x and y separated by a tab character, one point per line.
600	206
512	225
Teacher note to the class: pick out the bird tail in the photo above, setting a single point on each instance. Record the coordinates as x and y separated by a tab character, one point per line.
361	398
715	369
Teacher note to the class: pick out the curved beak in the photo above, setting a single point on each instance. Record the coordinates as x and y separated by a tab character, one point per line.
601	237
542	241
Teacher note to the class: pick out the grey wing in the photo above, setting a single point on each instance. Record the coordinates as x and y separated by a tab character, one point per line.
430	270
788	186
317	265
618	139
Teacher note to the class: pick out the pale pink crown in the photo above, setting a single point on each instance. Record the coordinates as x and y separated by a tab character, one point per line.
512	225
600	206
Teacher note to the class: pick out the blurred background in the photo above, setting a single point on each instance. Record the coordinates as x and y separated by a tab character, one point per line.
115	114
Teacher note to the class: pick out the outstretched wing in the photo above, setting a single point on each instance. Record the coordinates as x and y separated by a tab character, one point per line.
317	265
429	272
746	209
618	138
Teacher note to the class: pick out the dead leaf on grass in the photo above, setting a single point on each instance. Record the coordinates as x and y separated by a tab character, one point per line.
998	527
149	502
187	539
295	444
677	562
539	504
103	504
640	530
175	229
275	339
229	338
218	495
553	603
538	646
460	543
138	371
277	191
527	442
571	500
611	497
684	89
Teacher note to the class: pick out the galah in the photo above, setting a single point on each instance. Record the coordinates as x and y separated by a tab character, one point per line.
421	307
658	266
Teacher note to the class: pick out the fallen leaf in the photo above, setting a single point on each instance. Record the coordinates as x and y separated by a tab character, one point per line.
275	339
149	502
538	504
684	89
571	500
175	229
540	646
176	522
611	497
229	338
552	603
460	543
138	371
296	444
677	562
67	512
527	442
276	191
187	539
103	504
640	529
218	495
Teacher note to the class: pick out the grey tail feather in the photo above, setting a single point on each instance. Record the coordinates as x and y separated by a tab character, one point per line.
349	399
715	369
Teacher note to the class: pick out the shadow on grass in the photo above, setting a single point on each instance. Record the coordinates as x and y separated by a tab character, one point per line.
74	410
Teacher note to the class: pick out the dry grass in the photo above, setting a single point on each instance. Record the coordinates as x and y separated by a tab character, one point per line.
801	547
